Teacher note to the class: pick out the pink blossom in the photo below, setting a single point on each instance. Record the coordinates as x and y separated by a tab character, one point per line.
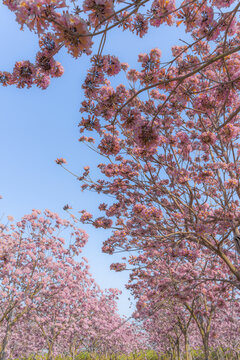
109	145
60	161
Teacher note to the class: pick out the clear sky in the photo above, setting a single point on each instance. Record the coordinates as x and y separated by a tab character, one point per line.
37	126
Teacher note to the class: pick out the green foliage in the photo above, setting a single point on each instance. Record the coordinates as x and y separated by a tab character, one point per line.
148	355
196	354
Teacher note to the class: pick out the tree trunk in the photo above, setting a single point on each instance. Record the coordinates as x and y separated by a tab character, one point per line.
186	347
73	354
206	347
178	351
50	353
3	353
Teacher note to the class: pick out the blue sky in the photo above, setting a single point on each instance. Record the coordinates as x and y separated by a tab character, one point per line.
38	126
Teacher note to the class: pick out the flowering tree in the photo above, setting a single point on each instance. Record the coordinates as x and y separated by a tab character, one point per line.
189	285
63	304
176	146
172	160
167	328
62	327
75	26
50	296
34	264
29	345
169	136
225	331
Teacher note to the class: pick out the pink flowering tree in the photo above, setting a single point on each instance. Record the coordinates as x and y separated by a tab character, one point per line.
82	317
166	328
171	160
171	135
68	325
64	303
114	335
169	138
192	286
75	26
48	295
225	337
34	264
24	340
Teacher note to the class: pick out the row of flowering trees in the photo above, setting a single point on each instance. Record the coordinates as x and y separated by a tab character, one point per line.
170	144
49	300
50	303
168	327
187	299
169	136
